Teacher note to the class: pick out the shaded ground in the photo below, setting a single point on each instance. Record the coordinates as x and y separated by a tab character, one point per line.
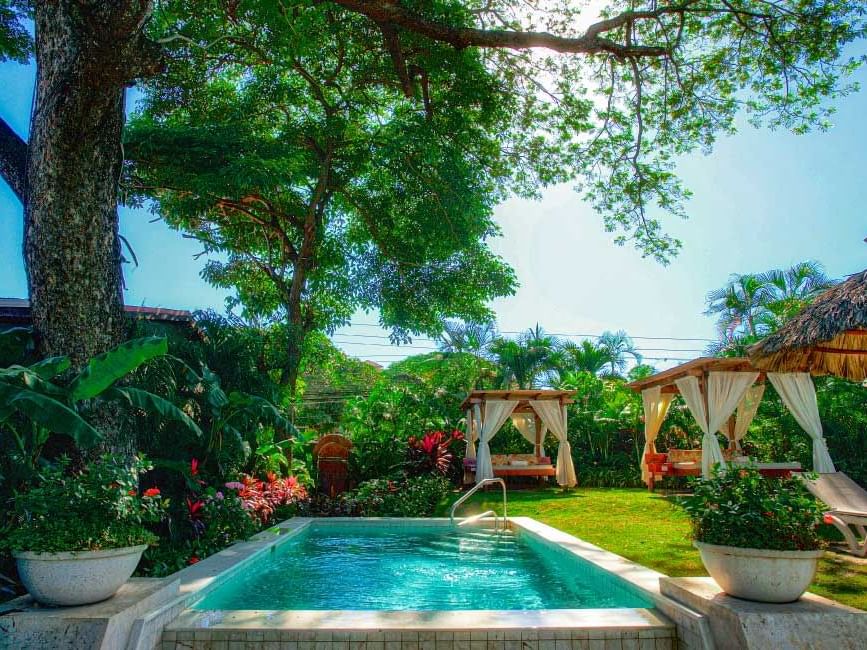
648	528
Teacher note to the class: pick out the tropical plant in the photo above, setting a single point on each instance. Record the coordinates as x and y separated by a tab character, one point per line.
97	507
618	346
458	336
432	453
43	399
745	509
527	360
753	305
583	357
264	499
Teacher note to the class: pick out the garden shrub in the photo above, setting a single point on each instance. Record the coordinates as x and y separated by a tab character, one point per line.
745	509
97	507
416	496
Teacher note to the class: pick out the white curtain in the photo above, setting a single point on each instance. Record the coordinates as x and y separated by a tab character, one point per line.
655	408
471	435
525	423
747	410
496	414
724	393
554	417
799	395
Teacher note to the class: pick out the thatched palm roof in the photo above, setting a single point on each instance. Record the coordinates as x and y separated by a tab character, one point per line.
828	337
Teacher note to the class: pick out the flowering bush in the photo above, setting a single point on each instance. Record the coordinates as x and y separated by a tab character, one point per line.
262	499
745	509
98	507
432	453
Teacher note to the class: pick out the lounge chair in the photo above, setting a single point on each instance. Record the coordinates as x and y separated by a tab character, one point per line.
848	503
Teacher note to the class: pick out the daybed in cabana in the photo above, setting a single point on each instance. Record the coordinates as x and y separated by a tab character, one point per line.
533	412
723	394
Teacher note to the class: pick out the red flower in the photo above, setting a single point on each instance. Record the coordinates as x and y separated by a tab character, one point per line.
152	492
193	560
195	508
194	466
828	519
132	493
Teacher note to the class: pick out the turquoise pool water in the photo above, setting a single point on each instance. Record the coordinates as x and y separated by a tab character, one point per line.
371	567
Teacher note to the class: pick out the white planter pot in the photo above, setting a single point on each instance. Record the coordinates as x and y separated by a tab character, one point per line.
758	574
77	577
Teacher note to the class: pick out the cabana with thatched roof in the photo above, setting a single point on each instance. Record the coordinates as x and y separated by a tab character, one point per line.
829	337
723	394
533	412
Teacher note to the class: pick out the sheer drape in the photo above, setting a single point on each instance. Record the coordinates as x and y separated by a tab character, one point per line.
496	414
525	423
554	417
655	408
799	395
724	393
471	435
747	410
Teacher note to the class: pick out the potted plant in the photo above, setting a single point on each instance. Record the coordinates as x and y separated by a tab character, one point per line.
758	536
81	534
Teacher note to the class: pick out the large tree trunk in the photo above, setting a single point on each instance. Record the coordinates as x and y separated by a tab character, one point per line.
71	244
87	53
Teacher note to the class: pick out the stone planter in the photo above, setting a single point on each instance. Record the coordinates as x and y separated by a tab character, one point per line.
758	574
77	577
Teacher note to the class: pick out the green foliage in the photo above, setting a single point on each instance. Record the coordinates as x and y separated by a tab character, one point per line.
744	509
105	369
753	305
417	496
15	42
96	508
38	400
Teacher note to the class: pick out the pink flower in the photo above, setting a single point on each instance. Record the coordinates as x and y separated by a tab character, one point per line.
234	485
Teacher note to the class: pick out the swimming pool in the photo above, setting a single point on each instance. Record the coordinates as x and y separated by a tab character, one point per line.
422	584
352	566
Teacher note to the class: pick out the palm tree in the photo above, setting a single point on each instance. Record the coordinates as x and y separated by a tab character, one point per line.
753	305
458	336
738	304
789	290
582	357
618	345
527	359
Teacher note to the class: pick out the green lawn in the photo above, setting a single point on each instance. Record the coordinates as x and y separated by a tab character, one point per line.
648	528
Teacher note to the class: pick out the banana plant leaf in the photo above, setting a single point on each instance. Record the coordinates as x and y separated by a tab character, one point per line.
261	409
105	369
151	403
20	375
47	412
51	367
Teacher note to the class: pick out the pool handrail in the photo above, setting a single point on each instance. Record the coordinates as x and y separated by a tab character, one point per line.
476	488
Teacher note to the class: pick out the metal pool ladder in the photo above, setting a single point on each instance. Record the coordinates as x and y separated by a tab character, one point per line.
476	488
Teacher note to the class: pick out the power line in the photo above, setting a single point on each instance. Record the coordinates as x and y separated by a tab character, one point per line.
567	334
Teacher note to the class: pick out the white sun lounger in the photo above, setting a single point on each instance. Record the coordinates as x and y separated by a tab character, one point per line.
848	503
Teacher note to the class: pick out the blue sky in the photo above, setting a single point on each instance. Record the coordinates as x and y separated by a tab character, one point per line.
761	200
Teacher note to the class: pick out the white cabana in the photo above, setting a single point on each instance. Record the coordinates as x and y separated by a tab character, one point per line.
533	413
723	394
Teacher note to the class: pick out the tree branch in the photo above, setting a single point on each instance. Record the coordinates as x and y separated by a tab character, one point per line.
13	161
391	13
